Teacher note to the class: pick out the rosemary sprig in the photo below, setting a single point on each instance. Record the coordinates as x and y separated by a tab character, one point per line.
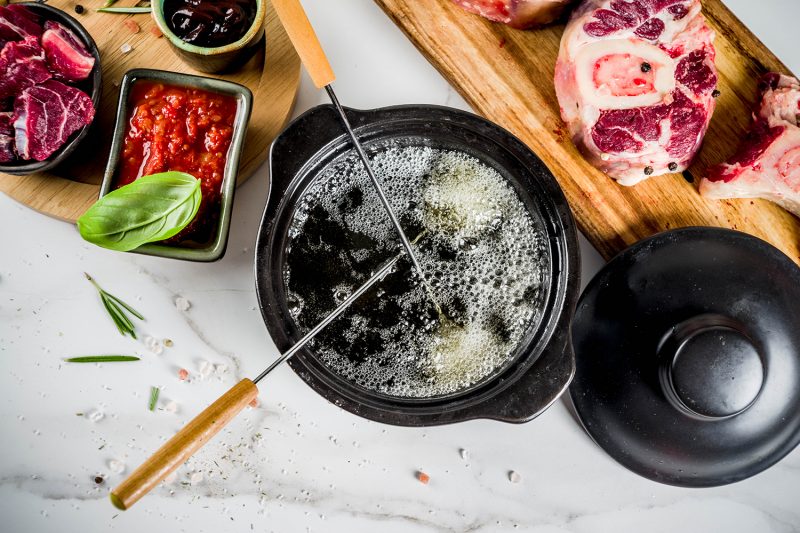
101	359
125	10
154	392
116	309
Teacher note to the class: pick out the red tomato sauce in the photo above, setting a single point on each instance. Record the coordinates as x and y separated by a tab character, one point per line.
183	129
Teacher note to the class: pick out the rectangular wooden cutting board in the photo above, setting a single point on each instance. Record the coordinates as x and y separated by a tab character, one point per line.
506	75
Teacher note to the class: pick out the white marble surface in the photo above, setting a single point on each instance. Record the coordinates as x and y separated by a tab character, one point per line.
296	463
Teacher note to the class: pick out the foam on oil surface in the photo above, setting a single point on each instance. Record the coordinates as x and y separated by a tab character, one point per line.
482	253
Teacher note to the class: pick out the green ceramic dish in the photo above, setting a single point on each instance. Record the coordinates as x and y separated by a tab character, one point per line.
216	249
218	59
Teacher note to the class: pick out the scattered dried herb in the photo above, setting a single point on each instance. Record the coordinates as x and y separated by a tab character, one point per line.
125	10
117	310
101	359
154	392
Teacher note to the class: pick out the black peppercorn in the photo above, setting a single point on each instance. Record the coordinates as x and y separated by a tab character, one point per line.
673	166
646	67
716	93
648	171
98	479
79	9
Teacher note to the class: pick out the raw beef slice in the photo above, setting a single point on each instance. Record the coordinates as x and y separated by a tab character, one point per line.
521	14
6	137
22	64
46	115
66	54
767	164
18	23
636	81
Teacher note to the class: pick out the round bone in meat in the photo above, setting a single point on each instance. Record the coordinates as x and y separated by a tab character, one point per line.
635	81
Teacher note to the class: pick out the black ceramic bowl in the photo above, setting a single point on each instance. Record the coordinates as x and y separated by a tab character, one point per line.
93	86
543	364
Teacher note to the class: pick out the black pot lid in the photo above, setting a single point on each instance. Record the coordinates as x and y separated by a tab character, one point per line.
688	357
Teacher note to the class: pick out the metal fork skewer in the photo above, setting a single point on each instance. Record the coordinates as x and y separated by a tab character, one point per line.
379	189
356	294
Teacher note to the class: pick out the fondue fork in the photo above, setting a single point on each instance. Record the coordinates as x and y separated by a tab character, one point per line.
305	41
208	423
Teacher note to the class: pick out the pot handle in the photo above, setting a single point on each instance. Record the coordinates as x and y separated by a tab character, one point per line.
538	389
305	41
183	444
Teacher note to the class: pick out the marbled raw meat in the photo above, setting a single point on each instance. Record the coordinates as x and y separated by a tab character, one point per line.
767	164
22	64
635	81
7	137
18	23
46	115
66	55
521	14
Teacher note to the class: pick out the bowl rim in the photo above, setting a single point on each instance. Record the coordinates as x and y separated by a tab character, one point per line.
216	249
23	167
258	23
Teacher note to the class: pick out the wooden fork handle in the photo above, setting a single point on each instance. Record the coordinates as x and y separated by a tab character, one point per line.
305	41
185	442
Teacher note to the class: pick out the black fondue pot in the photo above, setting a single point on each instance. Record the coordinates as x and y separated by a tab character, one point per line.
542	365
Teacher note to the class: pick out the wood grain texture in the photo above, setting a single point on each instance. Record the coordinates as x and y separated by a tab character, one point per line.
506	75
183	444
68	190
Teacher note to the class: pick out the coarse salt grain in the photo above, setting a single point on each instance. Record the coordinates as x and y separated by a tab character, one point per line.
125	48
195	478
182	303
95	415
463	453
171	406
514	476
153	345
116	466
220	369
205	368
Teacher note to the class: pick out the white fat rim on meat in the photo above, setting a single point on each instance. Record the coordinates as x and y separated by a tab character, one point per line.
589	54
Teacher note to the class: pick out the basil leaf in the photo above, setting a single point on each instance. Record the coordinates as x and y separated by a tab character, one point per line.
152	208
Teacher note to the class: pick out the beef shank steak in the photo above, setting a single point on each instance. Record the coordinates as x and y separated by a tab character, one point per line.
522	14
636	81
767	165
45	115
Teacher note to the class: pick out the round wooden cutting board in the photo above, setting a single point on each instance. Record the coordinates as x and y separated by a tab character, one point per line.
68	190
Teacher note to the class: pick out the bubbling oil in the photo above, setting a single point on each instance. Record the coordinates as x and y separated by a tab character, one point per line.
482	252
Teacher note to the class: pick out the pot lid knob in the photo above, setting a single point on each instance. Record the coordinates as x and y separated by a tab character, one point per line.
710	368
